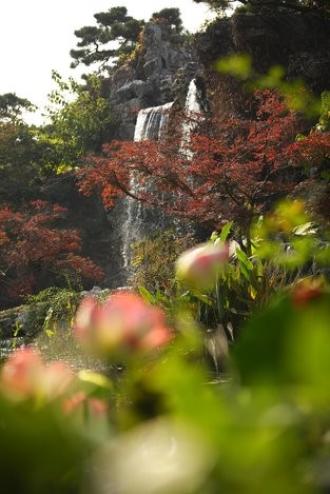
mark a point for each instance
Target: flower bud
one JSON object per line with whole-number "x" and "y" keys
{"x": 198, "y": 267}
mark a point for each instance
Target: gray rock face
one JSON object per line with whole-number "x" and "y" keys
{"x": 135, "y": 89}
{"x": 150, "y": 79}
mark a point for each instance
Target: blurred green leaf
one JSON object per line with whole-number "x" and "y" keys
{"x": 238, "y": 65}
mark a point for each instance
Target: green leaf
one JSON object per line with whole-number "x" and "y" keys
{"x": 305, "y": 229}
{"x": 225, "y": 231}
{"x": 148, "y": 296}
{"x": 94, "y": 378}
{"x": 243, "y": 258}
{"x": 202, "y": 297}
{"x": 239, "y": 66}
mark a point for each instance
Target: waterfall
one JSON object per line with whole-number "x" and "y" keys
{"x": 192, "y": 111}
{"x": 193, "y": 104}
{"x": 151, "y": 124}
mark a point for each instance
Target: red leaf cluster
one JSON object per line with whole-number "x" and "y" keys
{"x": 229, "y": 169}
{"x": 33, "y": 248}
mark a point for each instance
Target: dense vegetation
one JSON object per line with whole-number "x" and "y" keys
{"x": 263, "y": 6}
{"x": 210, "y": 372}
{"x": 37, "y": 250}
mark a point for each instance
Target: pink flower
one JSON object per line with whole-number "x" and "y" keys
{"x": 56, "y": 380}
{"x": 20, "y": 373}
{"x": 123, "y": 322}
{"x": 198, "y": 267}
{"x": 85, "y": 317}
{"x": 80, "y": 401}
{"x": 26, "y": 376}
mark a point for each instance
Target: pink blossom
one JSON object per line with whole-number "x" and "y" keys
{"x": 123, "y": 322}
{"x": 79, "y": 401}
{"x": 26, "y": 376}
{"x": 198, "y": 267}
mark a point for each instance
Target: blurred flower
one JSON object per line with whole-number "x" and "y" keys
{"x": 198, "y": 267}
{"x": 85, "y": 318}
{"x": 307, "y": 290}
{"x": 122, "y": 323}
{"x": 79, "y": 402}
{"x": 156, "y": 458}
{"x": 26, "y": 376}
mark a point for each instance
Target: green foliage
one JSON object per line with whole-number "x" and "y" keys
{"x": 51, "y": 308}
{"x": 324, "y": 121}
{"x": 24, "y": 160}
{"x": 264, "y": 429}
{"x": 291, "y": 350}
{"x": 80, "y": 120}
{"x": 154, "y": 259}
{"x": 289, "y": 239}
{"x": 281, "y": 248}
{"x": 171, "y": 16}
{"x": 239, "y": 66}
{"x": 117, "y": 32}
{"x": 12, "y": 107}
{"x": 40, "y": 451}
{"x": 295, "y": 94}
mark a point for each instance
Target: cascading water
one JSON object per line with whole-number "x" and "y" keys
{"x": 151, "y": 124}
{"x": 193, "y": 104}
{"x": 192, "y": 112}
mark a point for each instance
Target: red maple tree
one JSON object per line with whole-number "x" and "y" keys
{"x": 34, "y": 250}
{"x": 230, "y": 169}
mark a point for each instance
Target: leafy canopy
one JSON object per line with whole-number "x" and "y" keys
{"x": 115, "y": 34}
{"x": 12, "y": 107}
{"x": 80, "y": 119}
{"x": 171, "y": 16}
{"x": 24, "y": 158}
{"x": 23, "y": 161}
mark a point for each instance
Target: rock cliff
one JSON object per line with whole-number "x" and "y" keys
{"x": 300, "y": 43}
{"x": 161, "y": 69}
